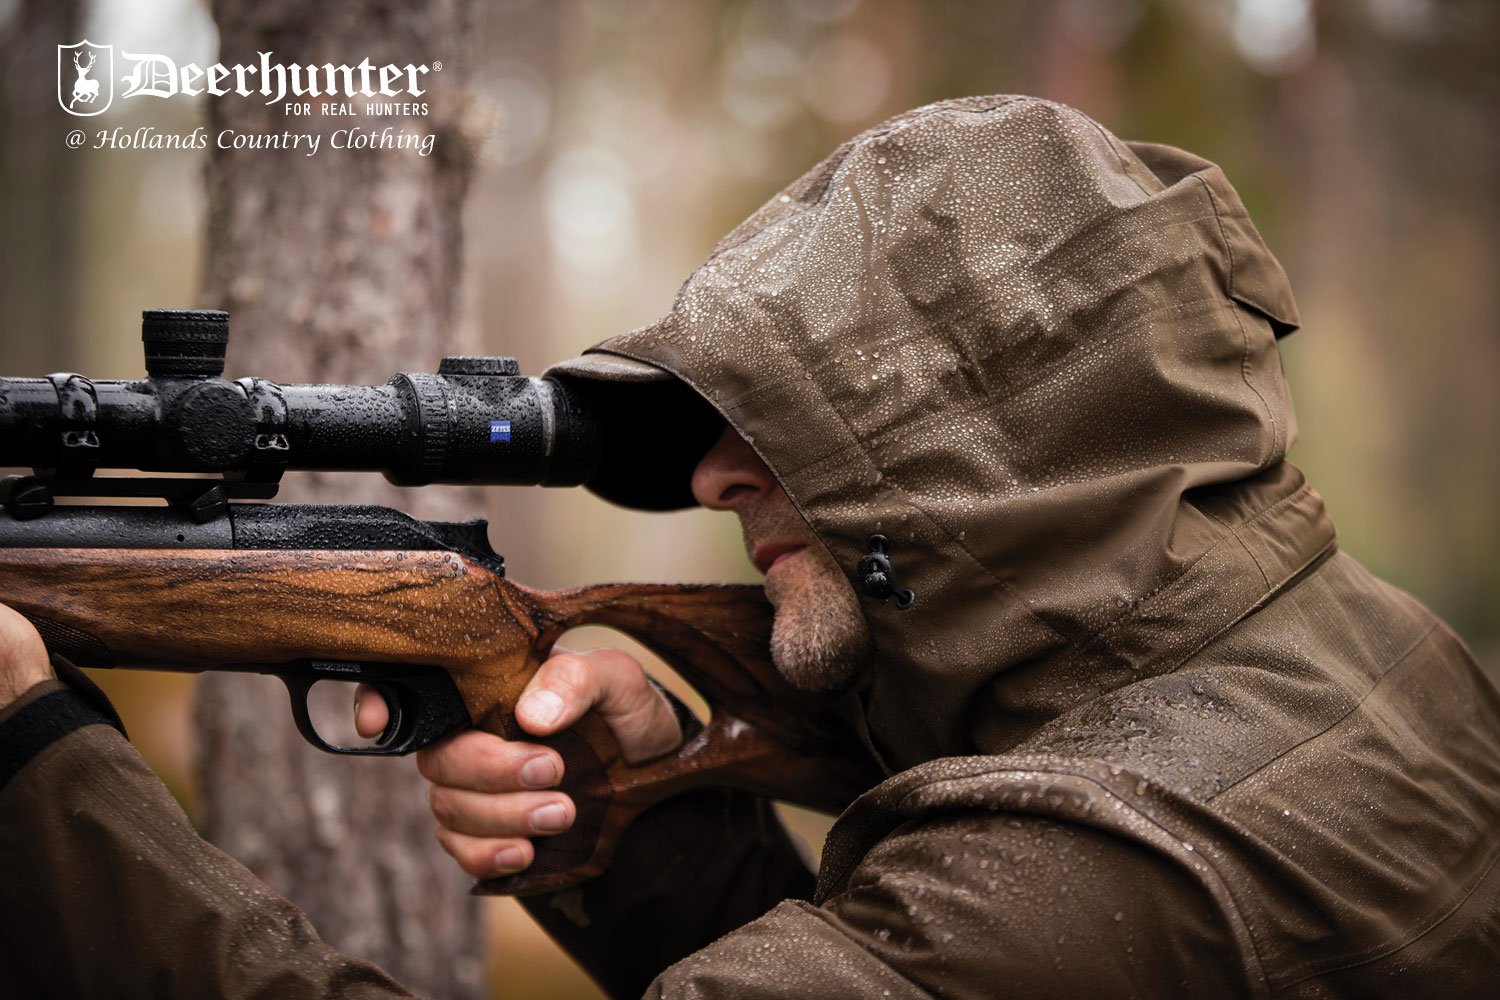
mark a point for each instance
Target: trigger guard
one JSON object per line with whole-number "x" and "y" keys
{"x": 424, "y": 703}
{"x": 298, "y": 686}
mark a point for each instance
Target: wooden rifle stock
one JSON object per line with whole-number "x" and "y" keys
{"x": 217, "y": 609}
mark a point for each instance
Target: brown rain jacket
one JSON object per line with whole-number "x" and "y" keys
{"x": 1149, "y": 734}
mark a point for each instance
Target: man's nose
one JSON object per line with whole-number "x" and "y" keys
{"x": 730, "y": 474}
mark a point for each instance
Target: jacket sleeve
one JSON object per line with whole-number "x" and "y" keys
{"x": 690, "y": 870}
{"x": 982, "y": 906}
{"x": 107, "y": 890}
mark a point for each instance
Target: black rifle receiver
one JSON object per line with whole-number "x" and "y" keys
{"x": 477, "y": 420}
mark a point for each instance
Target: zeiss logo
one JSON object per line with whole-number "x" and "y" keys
{"x": 85, "y": 78}
{"x": 499, "y": 431}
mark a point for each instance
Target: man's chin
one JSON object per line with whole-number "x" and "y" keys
{"x": 819, "y": 640}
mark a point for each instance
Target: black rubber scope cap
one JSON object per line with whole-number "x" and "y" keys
{"x": 184, "y": 343}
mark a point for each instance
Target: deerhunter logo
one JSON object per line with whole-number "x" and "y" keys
{"x": 85, "y": 80}
{"x": 78, "y": 85}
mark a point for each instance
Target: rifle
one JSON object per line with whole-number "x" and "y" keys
{"x": 421, "y": 611}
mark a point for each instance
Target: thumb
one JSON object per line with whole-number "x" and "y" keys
{"x": 609, "y": 682}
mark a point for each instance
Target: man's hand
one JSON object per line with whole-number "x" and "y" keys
{"x": 490, "y": 795}
{"x": 23, "y": 657}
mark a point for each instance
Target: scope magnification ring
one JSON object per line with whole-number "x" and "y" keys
{"x": 427, "y": 420}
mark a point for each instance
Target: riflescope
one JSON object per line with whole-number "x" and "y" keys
{"x": 477, "y": 420}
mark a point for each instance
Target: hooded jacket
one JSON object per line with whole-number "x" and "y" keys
{"x": 1148, "y": 733}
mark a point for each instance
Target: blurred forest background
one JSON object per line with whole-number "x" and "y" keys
{"x": 618, "y": 140}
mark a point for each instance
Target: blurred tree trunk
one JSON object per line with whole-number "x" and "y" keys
{"x": 340, "y": 267}
{"x": 39, "y": 176}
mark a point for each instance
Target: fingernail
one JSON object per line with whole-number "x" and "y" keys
{"x": 543, "y": 707}
{"x": 539, "y": 772}
{"x": 509, "y": 859}
{"x": 549, "y": 819}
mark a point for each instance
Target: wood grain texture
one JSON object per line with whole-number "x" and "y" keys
{"x": 206, "y": 609}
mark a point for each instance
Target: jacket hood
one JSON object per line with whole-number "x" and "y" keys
{"x": 1042, "y": 363}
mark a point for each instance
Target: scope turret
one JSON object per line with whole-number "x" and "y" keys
{"x": 184, "y": 343}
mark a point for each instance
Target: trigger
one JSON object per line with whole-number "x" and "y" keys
{"x": 393, "y": 716}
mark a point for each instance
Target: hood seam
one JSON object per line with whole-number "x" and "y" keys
{"x": 1168, "y": 586}
{"x": 1051, "y": 272}
{"x": 1278, "y": 440}
{"x": 1114, "y": 147}
{"x": 1219, "y": 218}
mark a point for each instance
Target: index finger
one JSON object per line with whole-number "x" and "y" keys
{"x": 371, "y": 713}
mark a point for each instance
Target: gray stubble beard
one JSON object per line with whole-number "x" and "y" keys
{"x": 819, "y": 639}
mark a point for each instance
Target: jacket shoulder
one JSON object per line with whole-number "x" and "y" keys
{"x": 959, "y": 905}
{"x": 1327, "y": 773}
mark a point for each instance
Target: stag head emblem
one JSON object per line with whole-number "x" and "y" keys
{"x": 84, "y": 89}
{"x": 89, "y": 94}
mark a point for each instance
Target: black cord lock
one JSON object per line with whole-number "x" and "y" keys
{"x": 876, "y": 576}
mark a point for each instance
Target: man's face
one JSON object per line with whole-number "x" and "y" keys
{"x": 819, "y": 640}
